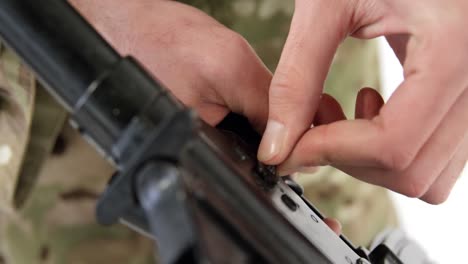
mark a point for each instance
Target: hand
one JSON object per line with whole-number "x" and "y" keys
{"x": 207, "y": 66}
{"x": 416, "y": 144}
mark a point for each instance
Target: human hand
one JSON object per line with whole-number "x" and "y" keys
{"x": 204, "y": 64}
{"x": 416, "y": 144}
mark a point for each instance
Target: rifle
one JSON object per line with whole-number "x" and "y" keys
{"x": 198, "y": 191}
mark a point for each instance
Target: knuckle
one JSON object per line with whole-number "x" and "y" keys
{"x": 397, "y": 155}
{"x": 238, "y": 41}
{"x": 362, "y": 11}
{"x": 286, "y": 89}
{"x": 236, "y": 46}
{"x": 397, "y": 152}
{"x": 230, "y": 54}
{"x": 281, "y": 92}
{"x": 316, "y": 142}
{"x": 414, "y": 185}
{"x": 325, "y": 158}
{"x": 399, "y": 158}
{"x": 436, "y": 199}
{"x": 211, "y": 68}
{"x": 440, "y": 192}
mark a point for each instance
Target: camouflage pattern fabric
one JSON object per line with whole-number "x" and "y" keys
{"x": 56, "y": 224}
{"x": 47, "y": 121}
{"x": 17, "y": 88}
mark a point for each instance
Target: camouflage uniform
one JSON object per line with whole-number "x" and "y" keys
{"x": 55, "y": 224}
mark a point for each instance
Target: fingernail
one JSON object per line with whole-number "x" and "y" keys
{"x": 272, "y": 141}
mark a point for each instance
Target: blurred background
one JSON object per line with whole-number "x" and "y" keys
{"x": 443, "y": 229}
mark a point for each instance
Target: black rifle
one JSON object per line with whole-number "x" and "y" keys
{"x": 199, "y": 191}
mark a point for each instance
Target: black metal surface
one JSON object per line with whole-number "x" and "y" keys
{"x": 126, "y": 99}
{"x": 60, "y": 46}
{"x": 294, "y": 185}
{"x": 383, "y": 255}
{"x": 164, "y": 142}
{"x": 248, "y": 209}
{"x": 164, "y": 202}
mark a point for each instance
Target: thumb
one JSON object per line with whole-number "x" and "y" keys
{"x": 317, "y": 29}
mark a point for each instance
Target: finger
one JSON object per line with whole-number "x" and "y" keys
{"x": 393, "y": 139}
{"x": 435, "y": 154}
{"x": 333, "y": 224}
{"x": 429, "y": 163}
{"x": 317, "y": 29}
{"x": 368, "y": 103}
{"x": 440, "y": 190}
{"x": 329, "y": 111}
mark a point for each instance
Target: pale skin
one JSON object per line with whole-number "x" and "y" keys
{"x": 415, "y": 144}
